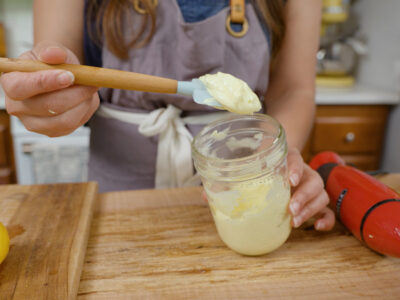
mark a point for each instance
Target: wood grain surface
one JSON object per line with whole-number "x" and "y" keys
{"x": 162, "y": 244}
{"x": 49, "y": 228}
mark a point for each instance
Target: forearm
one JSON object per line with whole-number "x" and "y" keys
{"x": 291, "y": 91}
{"x": 295, "y": 111}
{"x": 60, "y": 21}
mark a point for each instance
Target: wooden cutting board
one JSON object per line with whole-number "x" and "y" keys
{"x": 162, "y": 244}
{"x": 49, "y": 228}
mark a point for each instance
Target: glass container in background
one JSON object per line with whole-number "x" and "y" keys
{"x": 242, "y": 164}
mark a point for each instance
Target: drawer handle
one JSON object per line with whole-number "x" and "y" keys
{"x": 350, "y": 137}
{"x": 27, "y": 148}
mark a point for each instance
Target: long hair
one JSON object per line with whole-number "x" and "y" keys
{"x": 105, "y": 19}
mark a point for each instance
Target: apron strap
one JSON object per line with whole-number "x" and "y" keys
{"x": 237, "y": 11}
{"x": 237, "y": 15}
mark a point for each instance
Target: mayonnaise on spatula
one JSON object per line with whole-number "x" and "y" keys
{"x": 231, "y": 93}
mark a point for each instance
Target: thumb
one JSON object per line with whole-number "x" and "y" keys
{"x": 54, "y": 53}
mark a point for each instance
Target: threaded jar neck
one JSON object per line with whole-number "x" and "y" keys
{"x": 237, "y": 148}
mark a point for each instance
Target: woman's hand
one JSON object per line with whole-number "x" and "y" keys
{"x": 46, "y": 101}
{"x": 309, "y": 198}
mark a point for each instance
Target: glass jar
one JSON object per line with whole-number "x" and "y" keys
{"x": 242, "y": 164}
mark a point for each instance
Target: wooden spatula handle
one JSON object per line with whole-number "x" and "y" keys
{"x": 100, "y": 77}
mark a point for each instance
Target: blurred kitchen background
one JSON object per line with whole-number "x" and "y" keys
{"x": 358, "y": 96}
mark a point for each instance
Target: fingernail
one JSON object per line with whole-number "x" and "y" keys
{"x": 319, "y": 226}
{"x": 65, "y": 78}
{"x": 294, "y": 179}
{"x": 294, "y": 208}
{"x": 296, "y": 222}
{"x": 40, "y": 55}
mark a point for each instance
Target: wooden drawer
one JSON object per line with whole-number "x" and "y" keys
{"x": 3, "y": 142}
{"x": 3, "y": 48}
{"x": 7, "y": 169}
{"x": 366, "y": 162}
{"x": 349, "y": 129}
{"x": 355, "y": 132}
{"x": 5, "y": 176}
{"x": 347, "y": 135}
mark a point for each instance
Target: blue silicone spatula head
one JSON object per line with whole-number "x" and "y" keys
{"x": 197, "y": 90}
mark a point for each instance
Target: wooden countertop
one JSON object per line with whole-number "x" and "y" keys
{"x": 157, "y": 244}
{"x": 360, "y": 94}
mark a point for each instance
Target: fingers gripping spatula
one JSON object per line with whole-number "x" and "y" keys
{"x": 117, "y": 79}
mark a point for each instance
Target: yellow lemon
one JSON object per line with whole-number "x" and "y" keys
{"x": 4, "y": 242}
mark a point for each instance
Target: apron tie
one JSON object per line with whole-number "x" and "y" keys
{"x": 174, "y": 167}
{"x": 174, "y": 160}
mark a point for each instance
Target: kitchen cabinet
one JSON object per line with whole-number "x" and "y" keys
{"x": 7, "y": 169}
{"x": 356, "y": 132}
{"x": 3, "y": 48}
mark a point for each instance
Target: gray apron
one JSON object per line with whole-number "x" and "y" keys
{"x": 122, "y": 156}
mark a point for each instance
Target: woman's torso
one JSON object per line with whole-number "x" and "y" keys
{"x": 190, "y": 40}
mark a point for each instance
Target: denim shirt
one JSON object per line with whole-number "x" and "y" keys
{"x": 199, "y": 10}
{"x": 192, "y": 11}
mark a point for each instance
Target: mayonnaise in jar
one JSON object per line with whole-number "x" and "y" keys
{"x": 242, "y": 163}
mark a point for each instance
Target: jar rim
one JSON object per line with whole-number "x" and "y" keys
{"x": 281, "y": 133}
